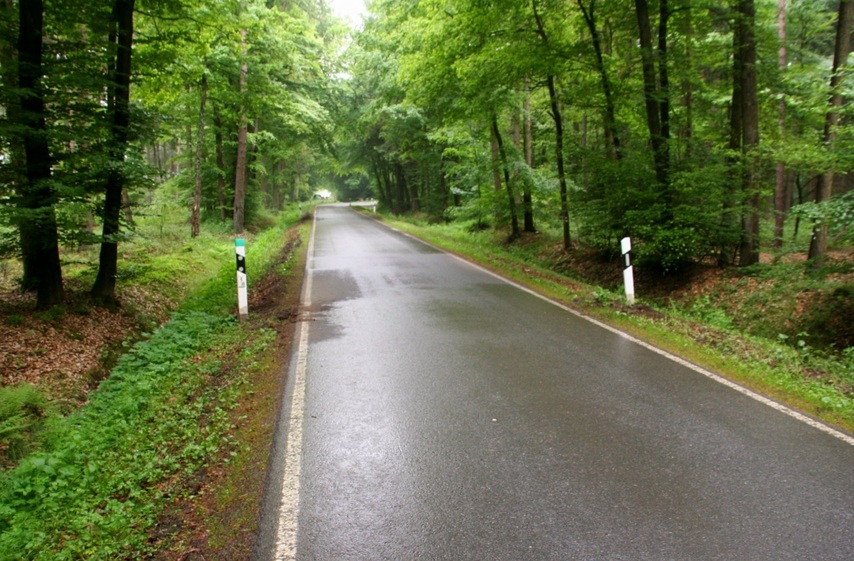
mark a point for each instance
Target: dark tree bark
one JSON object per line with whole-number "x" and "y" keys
{"x": 557, "y": 117}
{"x": 104, "y": 288}
{"x": 780, "y": 189}
{"x": 401, "y": 200}
{"x": 611, "y": 132}
{"x": 745, "y": 128}
{"x": 686, "y": 132}
{"x": 729, "y": 215}
{"x": 496, "y": 161}
{"x": 656, "y": 96}
{"x": 527, "y": 198}
{"x": 528, "y": 126}
{"x": 196, "y": 217}
{"x": 37, "y": 218}
{"x": 561, "y": 171}
{"x": 824, "y": 189}
{"x": 414, "y": 195}
{"x": 664, "y": 76}
{"x": 220, "y": 164}
{"x": 511, "y": 198}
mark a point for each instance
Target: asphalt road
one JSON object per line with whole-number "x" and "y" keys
{"x": 439, "y": 413}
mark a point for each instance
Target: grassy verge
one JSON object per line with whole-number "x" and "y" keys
{"x": 818, "y": 383}
{"x": 104, "y": 475}
{"x": 220, "y": 524}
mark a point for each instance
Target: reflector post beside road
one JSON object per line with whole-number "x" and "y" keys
{"x": 242, "y": 293}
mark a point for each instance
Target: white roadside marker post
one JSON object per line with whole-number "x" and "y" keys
{"x": 628, "y": 272}
{"x": 242, "y": 295}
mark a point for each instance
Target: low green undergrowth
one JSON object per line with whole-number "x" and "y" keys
{"x": 23, "y": 411}
{"x": 103, "y": 475}
{"x": 104, "y": 470}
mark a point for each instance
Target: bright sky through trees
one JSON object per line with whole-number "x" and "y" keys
{"x": 350, "y": 10}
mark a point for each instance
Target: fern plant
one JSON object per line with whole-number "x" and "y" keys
{"x": 23, "y": 410}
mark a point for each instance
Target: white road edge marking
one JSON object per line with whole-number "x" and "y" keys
{"x": 849, "y": 439}
{"x": 286, "y": 533}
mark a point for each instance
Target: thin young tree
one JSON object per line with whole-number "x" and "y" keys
{"x": 195, "y": 217}
{"x": 557, "y": 117}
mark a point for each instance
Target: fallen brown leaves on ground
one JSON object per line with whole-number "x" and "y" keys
{"x": 66, "y": 351}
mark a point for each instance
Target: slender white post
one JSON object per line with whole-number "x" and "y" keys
{"x": 242, "y": 295}
{"x": 628, "y": 272}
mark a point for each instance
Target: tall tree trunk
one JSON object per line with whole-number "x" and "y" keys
{"x": 611, "y": 132}
{"x": 520, "y": 122}
{"x": 655, "y": 95}
{"x": 561, "y": 170}
{"x": 528, "y": 141}
{"x": 687, "y": 130}
{"x": 220, "y": 164}
{"x": 252, "y": 154}
{"x": 824, "y": 189}
{"x": 402, "y": 192}
{"x": 414, "y": 196}
{"x": 37, "y": 218}
{"x": 104, "y": 288}
{"x": 277, "y": 185}
{"x": 664, "y": 78}
{"x": 511, "y": 199}
{"x": 558, "y": 121}
{"x": 295, "y": 187}
{"x": 780, "y": 189}
{"x": 196, "y": 217}
{"x": 242, "y": 133}
{"x": 729, "y": 214}
{"x": 380, "y": 175}
{"x": 745, "y": 82}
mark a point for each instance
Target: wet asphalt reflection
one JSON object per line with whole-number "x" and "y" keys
{"x": 451, "y": 416}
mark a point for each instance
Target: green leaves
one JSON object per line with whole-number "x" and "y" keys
{"x": 837, "y": 213}
{"x": 104, "y": 473}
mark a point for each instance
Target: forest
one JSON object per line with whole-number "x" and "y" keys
{"x": 139, "y": 138}
{"x": 231, "y": 104}
{"x": 687, "y": 125}
{"x": 701, "y": 129}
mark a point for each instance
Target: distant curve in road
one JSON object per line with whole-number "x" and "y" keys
{"x": 439, "y": 413}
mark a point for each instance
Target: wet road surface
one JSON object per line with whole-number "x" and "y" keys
{"x": 449, "y": 415}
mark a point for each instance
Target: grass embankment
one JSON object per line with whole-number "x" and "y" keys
{"x": 741, "y": 326}
{"x": 109, "y": 479}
